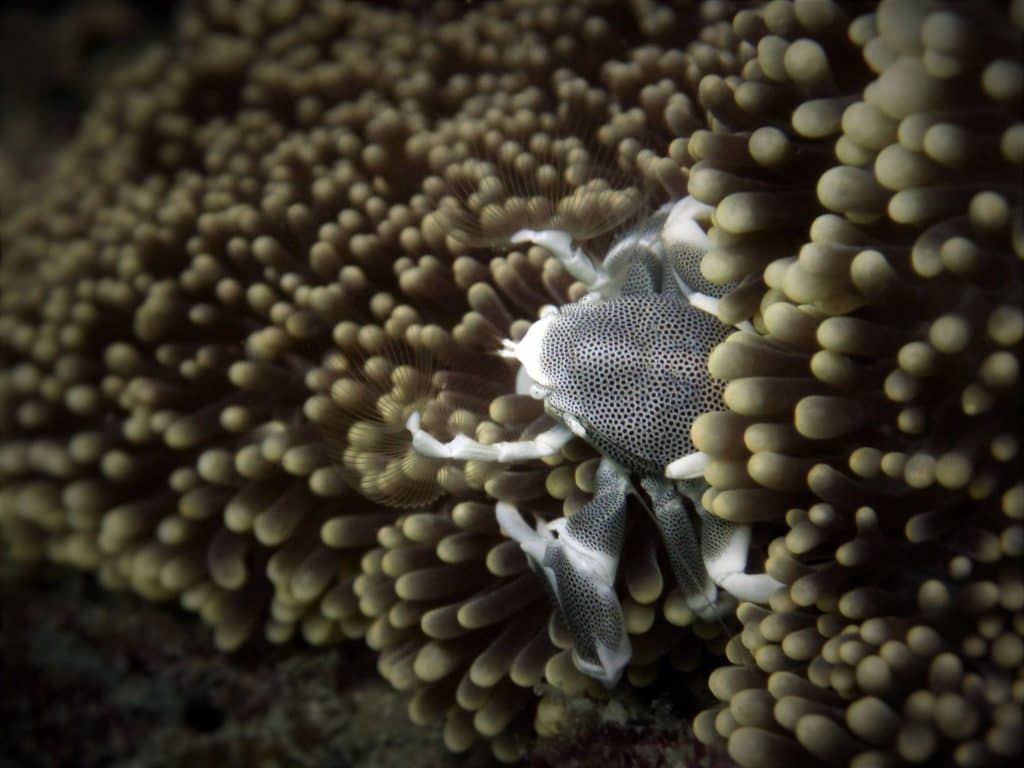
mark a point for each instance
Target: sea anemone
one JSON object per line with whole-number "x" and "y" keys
{"x": 274, "y": 239}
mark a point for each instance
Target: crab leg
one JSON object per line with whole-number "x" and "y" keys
{"x": 559, "y": 243}
{"x": 725, "y": 546}
{"x": 579, "y": 557}
{"x": 681, "y": 542}
{"x": 681, "y": 225}
{"x": 461, "y": 447}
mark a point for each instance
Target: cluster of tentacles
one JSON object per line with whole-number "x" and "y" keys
{"x": 275, "y": 239}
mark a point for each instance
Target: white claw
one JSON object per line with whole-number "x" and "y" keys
{"x": 534, "y": 543}
{"x": 681, "y": 225}
{"x": 726, "y": 568}
{"x": 523, "y": 382}
{"x": 688, "y": 467}
{"x": 512, "y": 523}
{"x": 704, "y": 303}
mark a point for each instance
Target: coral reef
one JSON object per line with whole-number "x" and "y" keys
{"x": 275, "y": 238}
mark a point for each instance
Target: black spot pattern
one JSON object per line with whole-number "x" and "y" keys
{"x": 642, "y": 270}
{"x": 716, "y": 535}
{"x": 633, "y": 370}
{"x": 600, "y": 524}
{"x": 685, "y": 261}
{"x": 594, "y": 618}
{"x": 682, "y": 542}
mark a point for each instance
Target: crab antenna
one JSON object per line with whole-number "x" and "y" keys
{"x": 508, "y": 349}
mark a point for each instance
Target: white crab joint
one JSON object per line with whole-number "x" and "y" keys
{"x": 624, "y": 368}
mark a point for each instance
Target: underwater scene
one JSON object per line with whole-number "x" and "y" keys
{"x": 615, "y": 383}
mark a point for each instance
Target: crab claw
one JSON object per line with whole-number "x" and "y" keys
{"x": 681, "y": 227}
{"x": 580, "y": 582}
